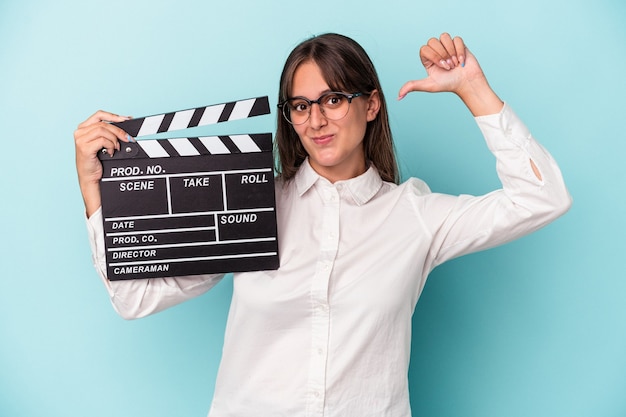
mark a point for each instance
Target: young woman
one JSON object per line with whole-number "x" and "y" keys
{"x": 329, "y": 332}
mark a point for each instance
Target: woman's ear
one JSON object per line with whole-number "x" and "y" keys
{"x": 373, "y": 105}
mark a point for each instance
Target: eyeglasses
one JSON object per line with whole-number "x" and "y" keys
{"x": 333, "y": 105}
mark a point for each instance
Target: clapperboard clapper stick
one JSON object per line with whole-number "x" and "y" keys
{"x": 190, "y": 205}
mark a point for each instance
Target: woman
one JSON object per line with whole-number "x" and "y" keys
{"x": 329, "y": 332}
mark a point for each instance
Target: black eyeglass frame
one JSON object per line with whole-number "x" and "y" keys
{"x": 348, "y": 96}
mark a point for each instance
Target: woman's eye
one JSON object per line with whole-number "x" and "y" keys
{"x": 300, "y": 107}
{"x": 333, "y": 101}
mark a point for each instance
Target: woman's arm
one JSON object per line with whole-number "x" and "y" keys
{"x": 453, "y": 68}
{"x": 533, "y": 191}
{"x": 131, "y": 298}
{"x": 138, "y": 298}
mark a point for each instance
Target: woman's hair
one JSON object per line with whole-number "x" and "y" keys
{"x": 345, "y": 67}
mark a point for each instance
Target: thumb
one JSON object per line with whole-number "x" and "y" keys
{"x": 424, "y": 84}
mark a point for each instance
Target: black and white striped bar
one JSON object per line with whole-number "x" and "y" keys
{"x": 213, "y": 145}
{"x": 200, "y": 116}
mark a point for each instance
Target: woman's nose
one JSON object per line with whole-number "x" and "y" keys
{"x": 317, "y": 118}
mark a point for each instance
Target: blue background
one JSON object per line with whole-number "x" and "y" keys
{"x": 533, "y": 328}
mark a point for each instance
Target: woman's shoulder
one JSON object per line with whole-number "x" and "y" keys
{"x": 414, "y": 186}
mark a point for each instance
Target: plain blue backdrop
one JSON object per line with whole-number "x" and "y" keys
{"x": 534, "y": 328}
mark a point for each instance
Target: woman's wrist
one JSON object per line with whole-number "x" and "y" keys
{"x": 479, "y": 98}
{"x": 91, "y": 196}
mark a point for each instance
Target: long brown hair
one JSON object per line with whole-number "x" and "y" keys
{"x": 346, "y": 67}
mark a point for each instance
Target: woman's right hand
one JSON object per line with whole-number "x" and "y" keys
{"x": 91, "y": 137}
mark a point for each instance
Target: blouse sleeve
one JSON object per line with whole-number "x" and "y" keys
{"x": 140, "y": 297}
{"x": 463, "y": 224}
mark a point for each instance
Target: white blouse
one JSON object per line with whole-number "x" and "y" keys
{"x": 329, "y": 332}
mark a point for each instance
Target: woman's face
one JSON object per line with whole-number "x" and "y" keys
{"x": 335, "y": 147}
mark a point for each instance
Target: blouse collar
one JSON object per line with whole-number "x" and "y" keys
{"x": 361, "y": 188}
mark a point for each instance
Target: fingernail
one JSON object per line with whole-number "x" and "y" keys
{"x": 444, "y": 64}
{"x": 401, "y": 97}
{"x": 462, "y": 60}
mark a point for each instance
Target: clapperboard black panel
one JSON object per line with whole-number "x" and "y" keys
{"x": 187, "y": 206}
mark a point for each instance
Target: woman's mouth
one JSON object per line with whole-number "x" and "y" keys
{"x": 322, "y": 140}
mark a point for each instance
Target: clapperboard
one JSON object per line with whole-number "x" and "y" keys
{"x": 190, "y": 205}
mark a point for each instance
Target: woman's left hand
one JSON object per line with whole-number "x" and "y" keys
{"x": 451, "y": 67}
